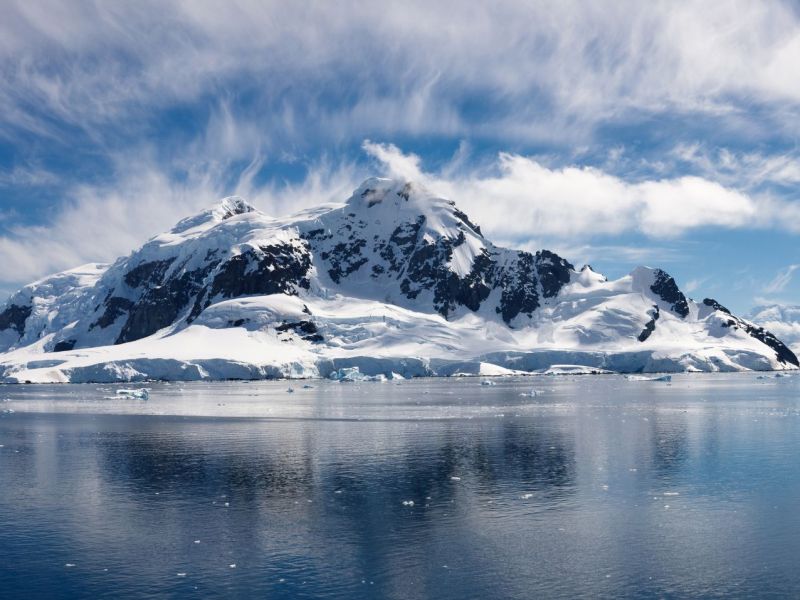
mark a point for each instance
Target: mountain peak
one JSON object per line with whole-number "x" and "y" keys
{"x": 392, "y": 197}
{"x": 232, "y": 206}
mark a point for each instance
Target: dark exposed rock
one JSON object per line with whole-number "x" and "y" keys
{"x": 715, "y": 305}
{"x": 465, "y": 219}
{"x": 306, "y": 329}
{"x": 650, "y": 326}
{"x": 345, "y": 258}
{"x": 115, "y": 308}
{"x": 665, "y": 288}
{"x": 401, "y": 244}
{"x": 64, "y": 346}
{"x": 427, "y": 269}
{"x": 14, "y": 317}
{"x": 554, "y": 272}
{"x": 782, "y": 351}
{"x": 278, "y": 268}
{"x": 519, "y": 285}
{"x": 147, "y": 272}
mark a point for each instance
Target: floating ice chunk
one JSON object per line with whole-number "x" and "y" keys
{"x": 138, "y": 394}
{"x": 352, "y": 374}
{"x": 290, "y": 390}
{"x": 180, "y": 574}
{"x": 197, "y": 541}
{"x": 672, "y": 493}
{"x": 526, "y": 496}
{"x": 408, "y": 503}
{"x": 487, "y": 382}
{"x": 454, "y": 478}
{"x": 69, "y": 565}
{"x": 308, "y": 387}
{"x": 641, "y": 378}
{"x": 8, "y": 411}
{"x": 232, "y": 566}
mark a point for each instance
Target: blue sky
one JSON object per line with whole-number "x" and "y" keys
{"x": 616, "y": 133}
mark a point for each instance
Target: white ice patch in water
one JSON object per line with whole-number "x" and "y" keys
{"x": 138, "y": 394}
{"x": 642, "y": 378}
{"x": 353, "y": 374}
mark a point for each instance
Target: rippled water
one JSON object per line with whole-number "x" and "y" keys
{"x": 595, "y": 487}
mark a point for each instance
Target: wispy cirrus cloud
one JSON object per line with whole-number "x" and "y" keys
{"x": 539, "y": 71}
{"x": 781, "y": 280}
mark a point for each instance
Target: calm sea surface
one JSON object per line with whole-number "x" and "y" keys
{"x": 594, "y": 487}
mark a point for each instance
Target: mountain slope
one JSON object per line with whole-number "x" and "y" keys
{"x": 393, "y": 280}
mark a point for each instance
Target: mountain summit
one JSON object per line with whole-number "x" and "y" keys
{"x": 395, "y": 280}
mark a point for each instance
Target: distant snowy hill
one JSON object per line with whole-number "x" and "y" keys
{"x": 395, "y": 281}
{"x": 782, "y": 320}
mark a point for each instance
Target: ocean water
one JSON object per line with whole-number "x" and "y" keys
{"x": 592, "y": 487}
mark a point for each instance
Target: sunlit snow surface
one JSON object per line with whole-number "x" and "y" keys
{"x": 570, "y": 486}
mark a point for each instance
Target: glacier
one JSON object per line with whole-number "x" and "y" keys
{"x": 395, "y": 282}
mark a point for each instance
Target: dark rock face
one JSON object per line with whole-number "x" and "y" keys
{"x": 170, "y": 294}
{"x": 465, "y": 219}
{"x": 307, "y": 330}
{"x": 715, "y": 305}
{"x": 161, "y": 305}
{"x": 400, "y": 245}
{"x": 427, "y": 270}
{"x": 14, "y": 317}
{"x": 782, "y": 351}
{"x": 64, "y": 346}
{"x": 784, "y": 354}
{"x": 345, "y": 258}
{"x": 650, "y": 326}
{"x": 422, "y": 264}
{"x": 666, "y": 289}
{"x": 518, "y": 283}
{"x": 147, "y": 272}
{"x": 278, "y": 268}
{"x": 115, "y": 308}
{"x": 554, "y": 272}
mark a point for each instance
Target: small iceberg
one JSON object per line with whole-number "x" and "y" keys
{"x": 641, "y": 378}
{"x": 353, "y": 374}
{"x": 140, "y": 394}
{"x": 487, "y": 382}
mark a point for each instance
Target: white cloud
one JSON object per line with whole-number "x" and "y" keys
{"x": 584, "y": 202}
{"x": 540, "y": 70}
{"x": 781, "y": 280}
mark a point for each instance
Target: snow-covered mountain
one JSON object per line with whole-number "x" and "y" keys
{"x": 782, "y": 320}
{"x": 395, "y": 281}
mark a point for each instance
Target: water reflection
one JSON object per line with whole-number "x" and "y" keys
{"x": 594, "y": 488}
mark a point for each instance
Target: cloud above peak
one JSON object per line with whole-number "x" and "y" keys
{"x": 583, "y": 202}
